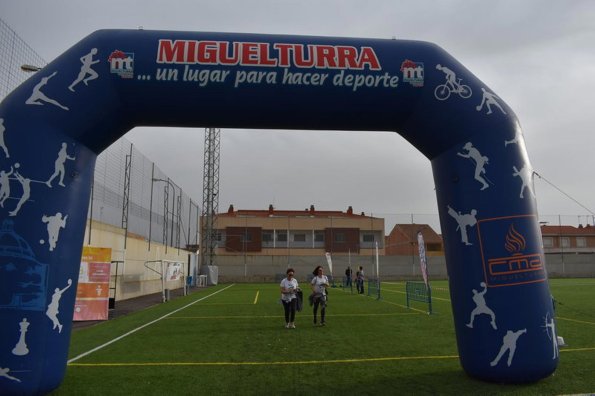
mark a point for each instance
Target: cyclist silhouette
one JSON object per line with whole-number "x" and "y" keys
{"x": 452, "y": 85}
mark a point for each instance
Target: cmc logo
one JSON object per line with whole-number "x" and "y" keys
{"x": 121, "y": 63}
{"x": 510, "y": 252}
{"x": 413, "y": 72}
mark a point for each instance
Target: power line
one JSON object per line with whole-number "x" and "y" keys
{"x": 557, "y": 188}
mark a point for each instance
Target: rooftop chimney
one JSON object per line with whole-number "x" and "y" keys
{"x": 271, "y": 209}
{"x": 230, "y": 210}
{"x": 349, "y": 210}
{"x": 311, "y": 208}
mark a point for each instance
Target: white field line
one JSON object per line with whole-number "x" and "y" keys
{"x": 82, "y": 355}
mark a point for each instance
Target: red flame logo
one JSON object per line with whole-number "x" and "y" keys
{"x": 515, "y": 242}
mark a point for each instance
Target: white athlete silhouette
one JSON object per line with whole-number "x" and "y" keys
{"x": 481, "y": 307}
{"x": 4, "y": 373}
{"x": 489, "y": 99}
{"x": 550, "y": 328}
{"x": 479, "y": 160}
{"x": 5, "y": 186}
{"x": 38, "y": 97}
{"x": 451, "y": 85}
{"x": 20, "y": 348}
{"x": 54, "y": 223}
{"x": 526, "y": 176}
{"x": 516, "y": 140}
{"x": 52, "y": 311}
{"x": 451, "y": 77}
{"x": 87, "y": 61}
{"x": 59, "y": 166}
{"x": 26, "y": 184}
{"x": 463, "y": 221}
{"x": 509, "y": 342}
{"x": 2, "y": 144}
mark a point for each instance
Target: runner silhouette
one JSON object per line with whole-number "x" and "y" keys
{"x": 87, "y": 61}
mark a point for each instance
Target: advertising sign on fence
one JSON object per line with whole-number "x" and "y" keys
{"x": 174, "y": 271}
{"x": 92, "y": 293}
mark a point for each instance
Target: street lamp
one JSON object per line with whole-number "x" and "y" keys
{"x": 30, "y": 68}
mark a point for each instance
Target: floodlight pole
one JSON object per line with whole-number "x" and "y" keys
{"x": 210, "y": 195}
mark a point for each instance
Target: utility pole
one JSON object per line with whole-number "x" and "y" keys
{"x": 210, "y": 196}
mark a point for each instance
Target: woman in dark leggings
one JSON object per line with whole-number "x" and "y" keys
{"x": 289, "y": 288}
{"x": 319, "y": 284}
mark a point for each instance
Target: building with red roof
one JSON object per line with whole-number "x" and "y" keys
{"x": 308, "y": 232}
{"x": 402, "y": 240}
{"x": 568, "y": 239}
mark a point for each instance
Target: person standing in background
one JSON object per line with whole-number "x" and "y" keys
{"x": 359, "y": 280}
{"x": 348, "y": 277}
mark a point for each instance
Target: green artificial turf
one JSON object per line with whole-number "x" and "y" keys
{"x": 230, "y": 339}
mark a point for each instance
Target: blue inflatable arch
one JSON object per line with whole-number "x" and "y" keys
{"x": 55, "y": 124}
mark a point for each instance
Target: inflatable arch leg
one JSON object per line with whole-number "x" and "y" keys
{"x": 53, "y": 126}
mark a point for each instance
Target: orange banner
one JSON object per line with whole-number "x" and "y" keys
{"x": 92, "y": 294}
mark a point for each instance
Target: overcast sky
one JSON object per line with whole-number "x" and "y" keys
{"x": 538, "y": 56}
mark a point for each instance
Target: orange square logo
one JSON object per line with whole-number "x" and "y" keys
{"x": 510, "y": 251}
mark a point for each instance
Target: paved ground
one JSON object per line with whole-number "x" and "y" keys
{"x": 130, "y": 305}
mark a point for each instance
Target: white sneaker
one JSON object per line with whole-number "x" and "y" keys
{"x": 287, "y": 326}
{"x": 292, "y": 325}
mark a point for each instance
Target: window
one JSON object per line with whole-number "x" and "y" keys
{"x": 282, "y": 236}
{"x": 433, "y": 247}
{"x": 246, "y": 237}
{"x": 267, "y": 236}
{"x": 565, "y": 242}
{"x": 340, "y": 237}
{"x": 299, "y": 238}
{"x": 318, "y": 236}
{"x": 581, "y": 242}
{"x": 548, "y": 242}
{"x": 368, "y": 237}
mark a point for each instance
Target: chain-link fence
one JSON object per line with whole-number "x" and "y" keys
{"x": 131, "y": 192}
{"x": 15, "y": 53}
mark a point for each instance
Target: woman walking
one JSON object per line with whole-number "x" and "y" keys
{"x": 289, "y": 289}
{"x": 319, "y": 284}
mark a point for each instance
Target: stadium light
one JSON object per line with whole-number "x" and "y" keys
{"x": 30, "y": 68}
